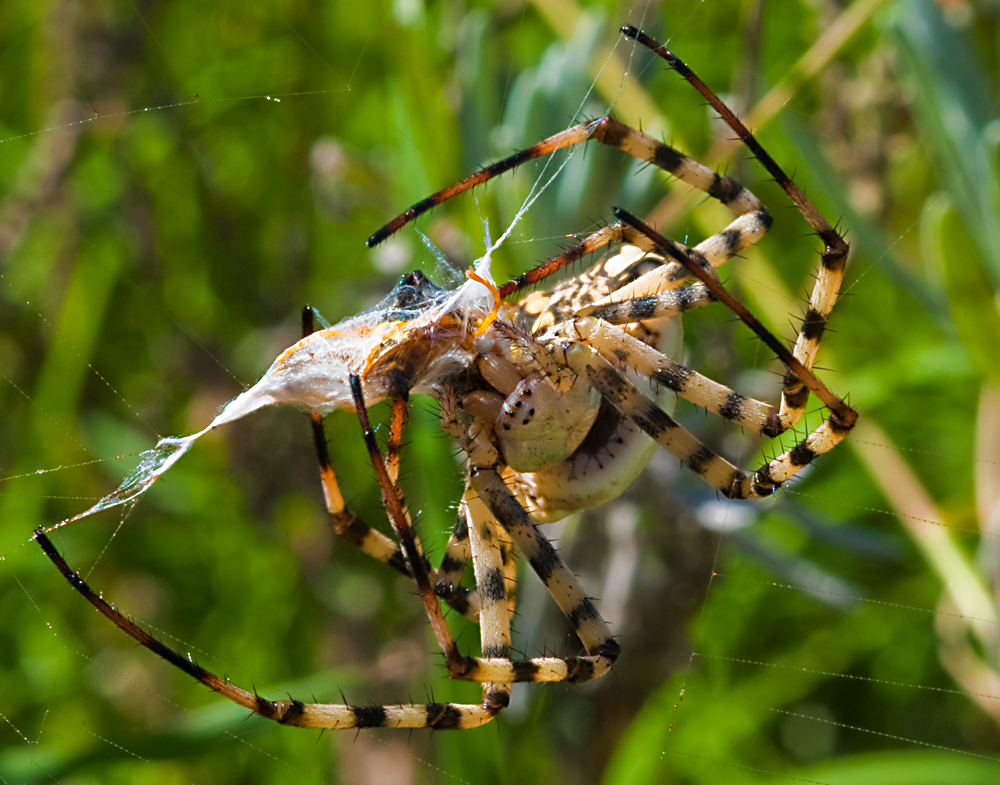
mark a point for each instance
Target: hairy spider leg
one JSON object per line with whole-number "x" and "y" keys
{"x": 700, "y": 270}
{"x": 718, "y": 472}
{"x": 663, "y": 288}
{"x": 833, "y": 260}
{"x": 651, "y": 306}
{"x": 495, "y": 504}
{"x": 716, "y": 250}
{"x": 622, "y": 349}
{"x": 606, "y": 130}
{"x": 495, "y": 670}
{"x": 351, "y": 528}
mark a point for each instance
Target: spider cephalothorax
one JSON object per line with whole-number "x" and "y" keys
{"x": 554, "y": 401}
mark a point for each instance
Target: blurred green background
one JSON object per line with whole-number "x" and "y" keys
{"x": 178, "y": 179}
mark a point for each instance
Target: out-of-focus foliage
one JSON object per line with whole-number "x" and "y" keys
{"x": 178, "y": 179}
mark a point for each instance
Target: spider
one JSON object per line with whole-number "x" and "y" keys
{"x": 531, "y": 392}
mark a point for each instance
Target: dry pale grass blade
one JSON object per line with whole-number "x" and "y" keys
{"x": 963, "y": 662}
{"x": 967, "y": 606}
{"x": 988, "y": 463}
{"x": 928, "y": 526}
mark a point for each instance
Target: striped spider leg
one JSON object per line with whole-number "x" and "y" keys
{"x": 615, "y": 346}
{"x": 352, "y": 529}
{"x": 494, "y": 510}
{"x": 489, "y": 504}
{"x": 832, "y": 262}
